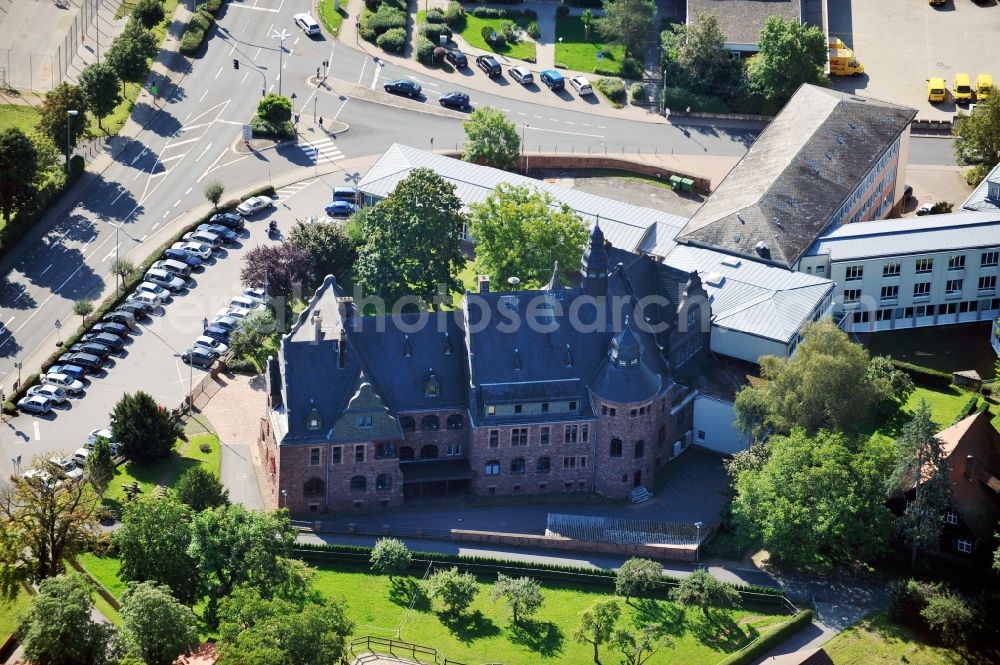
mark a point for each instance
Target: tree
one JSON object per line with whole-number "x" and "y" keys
{"x": 42, "y": 523}
{"x": 587, "y": 19}
{"x": 145, "y": 430}
{"x": 99, "y": 83}
{"x": 83, "y": 307}
{"x": 331, "y": 250}
{"x": 597, "y": 623}
{"x": 791, "y": 54}
{"x": 275, "y": 109}
{"x": 456, "y": 590}
{"x": 950, "y": 616}
{"x": 413, "y": 240}
{"x": 815, "y": 499}
{"x": 18, "y": 171}
{"x": 153, "y": 543}
{"x": 213, "y": 191}
{"x": 700, "y": 589}
{"x": 491, "y": 139}
{"x": 130, "y": 52}
{"x": 637, "y": 648}
{"x": 232, "y": 546}
{"x": 156, "y": 626}
{"x": 637, "y": 575}
{"x": 885, "y": 379}
{"x": 977, "y": 136}
{"x": 49, "y": 158}
{"x": 148, "y": 12}
{"x": 54, "y": 115}
{"x": 523, "y": 595}
{"x": 695, "y": 58}
{"x": 258, "y": 631}
{"x": 628, "y": 22}
{"x": 277, "y": 267}
{"x": 523, "y": 232}
{"x": 199, "y": 488}
{"x": 100, "y": 469}
{"x": 390, "y": 557}
{"x": 123, "y": 269}
{"x": 250, "y": 333}
{"x": 58, "y": 628}
{"x": 922, "y": 465}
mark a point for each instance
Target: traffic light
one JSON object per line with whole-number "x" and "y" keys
{"x": 326, "y": 64}
{"x": 236, "y": 63}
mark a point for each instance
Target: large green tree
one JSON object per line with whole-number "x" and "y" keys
{"x": 628, "y": 22}
{"x": 100, "y": 468}
{"x": 390, "y": 556}
{"x": 148, "y": 12}
{"x": 791, "y": 53}
{"x": 522, "y": 232}
{"x": 331, "y": 250}
{"x": 637, "y": 575}
{"x": 695, "y": 59}
{"x": 260, "y": 631}
{"x": 145, "y": 430}
{"x": 597, "y": 624}
{"x": 18, "y": 171}
{"x": 58, "y": 628}
{"x": 700, "y": 589}
{"x": 153, "y": 543}
{"x": 922, "y": 466}
{"x": 456, "y": 590}
{"x": 816, "y": 499}
{"x": 130, "y": 52}
{"x": 491, "y": 139}
{"x": 232, "y": 546}
{"x": 637, "y": 647}
{"x": 523, "y": 595}
{"x": 54, "y": 116}
{"x": 977, "y": 138}
{"x": 50, "y": 171}
{"x": 200, "y": 489}
{"x": 413, "y": 240}
{"x": 99, "y": 83}
{"x": 275, "y": 109}
{"x": 156, "y": 626}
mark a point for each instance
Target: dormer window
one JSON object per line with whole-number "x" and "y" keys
{"x": 433, "y": 387}
{"x": 313, "y": 421}
{"x": 491, "y": 410}
{"x": 365, "y": 421}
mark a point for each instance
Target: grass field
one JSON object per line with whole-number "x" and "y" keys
{"x": 330, "y": 17}
{"x": 877, "y": 640}
{"x": 11, "y": 612}
{"x": 21, "y": 116}
{"x": 945, "y": 405}
{"x": 472, "y": 33}
{"x": 578, "y": 52}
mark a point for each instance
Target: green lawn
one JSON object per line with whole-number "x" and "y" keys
{"x": 11, "y": 612}
{"x": 877, "y": 640}
{"x": 579, "y": 53}
{"x": 472, "y": 33}
{"x": 22, "y": 116}
{"x": 330, "y": 17}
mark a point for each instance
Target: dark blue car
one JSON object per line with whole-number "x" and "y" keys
{"x": 340, "y": 209}
{"x": 217, "y": 332}
{"x": 74, "y": 371}
{"x": 182, "y": 256}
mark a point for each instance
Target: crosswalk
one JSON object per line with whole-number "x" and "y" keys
{"x": 321, "y": 150}
{"x": 288, "y": 191}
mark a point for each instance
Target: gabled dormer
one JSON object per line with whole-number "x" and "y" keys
{"x": 366, "y": 417}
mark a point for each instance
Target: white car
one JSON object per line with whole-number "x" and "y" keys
{"x": 307, "y": 23}
{"x": 238, "y": 313}
{"x": 66, "y": 468}
{"x": 144, "y": 298}
{"x": 81, "y": 455}
{"x": 64, "y": 381}
{"x": 211, "y": 344}
{"x": 257, "y": 295}
{"x": 522, "y": 75}
{"x": 152, "y": 289}
{"x": 581, "y": 84}
{"x": 253, "y": 204}
{"x": 246, "y": 302}
{"x": 54, "y": 393}
{"x": 100, "y": 432}
{"x": 200, "y": 250}
{"x": 35, "y": 404}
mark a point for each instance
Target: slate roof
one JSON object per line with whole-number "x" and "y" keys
{"x": 785, "y": 190}
{"x": 980, "y": 199}
{"x": 912, "y": 235}
{"x": 975, "y": 484}
{"x": 741, "y": 21}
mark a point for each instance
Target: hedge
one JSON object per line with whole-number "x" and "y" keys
{"x": 931, "y": 378}
{"x": 435, "y": 16}
{"x": 631, "y": 69}
{"x": 28, "y": 216}
{"x": 425, "y": 50}
{"x": 968, "y": 409}
{"x": 762, "y": 645}
{"x": 679, "y": 99}
{"x": 504, "y": 13}
{"x": 392, "y": 40}
{"x": 613, "y": 89}
{"x": 195, "y": 32}
{"x": 433, "y": 31}
{"x": 385, "y": 19}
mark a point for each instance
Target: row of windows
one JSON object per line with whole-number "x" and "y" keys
{"x": 543, "y": 465}
{"x": 633, "y": 413}
{"x": 920, "y": 311}
{"x": 384, "y": 450}
{"x": 491, "y": 409}
{"x": 519, "y": 435}
{"x": 922, "y": 290}
{"x": 838, "y": 217}
{"x": 431, "y": 423}
{"x": 315, "y": 487}
{"x": 988, "y": 259}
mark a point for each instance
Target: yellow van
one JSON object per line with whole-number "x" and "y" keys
{"x": 984, "y": 87}
{"x": 843, "y": 63}
{"x": 936, "y": 91}
{"x": 962, "y": 89}
{"x": 934, "y": 3}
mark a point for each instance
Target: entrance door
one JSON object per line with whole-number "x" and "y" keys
{"x": 637, "y": 479}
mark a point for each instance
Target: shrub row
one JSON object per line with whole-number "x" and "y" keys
{"x": 425, "y": 50}
{"x": 931, "y": 378}
{"x": 212, "y": 6}
{"x": 433, "y": 31}
{"x": 195, "y": 32}
{"x": 679, "y": 99}
{"x": 614, "y": 90}
{"x": 762, "y": 645}
{"x": 968, "y": 409}
{"x": 503, "y": 12}
{"x": 434, "y": 16}
{"x": 373, "y": 5}
{"x": 392, "y": 40}
{"x": 266, "y": 129}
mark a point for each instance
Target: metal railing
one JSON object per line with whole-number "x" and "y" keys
{"x": 398, "y": 649}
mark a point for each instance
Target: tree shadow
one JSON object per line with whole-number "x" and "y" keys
{"x": 666, "y": 618}
{"x": 469, "y": 627}
{"x": 404, "y": 590}
{"x": 14, "y": 295}
{"x": 542, "y": 637}
{"x": 718, "y": 631}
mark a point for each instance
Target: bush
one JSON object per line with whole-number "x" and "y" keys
{"x": 631, "y": 69}
{"x": 926, "y": 376}
{"x": 374, "y": 5}
{"x": 500, "y": 42}
{"x": 192, "y": 39}
{"x": 241, "y": 366}
{"x": 976, "y": 174}
{"x": 385, "y": 19}
{"x": 392, "y": 40}
{"x": 202, "y": 19}
{"x": 433, "y": 31}
{"x": 425, "y": 50}
{"x": 212, "y": 6}
{"x": 435, "y": 16}
{"x": 205, "y": 448}
{"x": 454, "y": 15}
{"x": 613, "y": 89}
{"x": 764, "y": 644}
{"x": 678, "y": 99}
{"x": 487, "y": 32}
{"x": 637, "y": 91}
{"x": 265, "y": 129}
{"x": 439, "y": 53}
{"x": 908, "y": 598}
{"x": 533, "y": 31}
{"x": 503, "y": 13}
{"x": 562, "y": 11}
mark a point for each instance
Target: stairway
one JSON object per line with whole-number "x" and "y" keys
{"x": 639, "y": 495}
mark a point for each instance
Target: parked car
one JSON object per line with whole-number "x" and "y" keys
{"x": 66, "y": 468}
{"x": 522, "y": 75}
{"x": 199, "y": 357}
{"x": 65, "y": 381}
{"x": 457, "y": 58}
{"x": 80, "y": 457}
{"x": 236, "y": 313}
{"x": 37, "y": 404}
{"x": 489, "y": 64}
{"x": 245, "y": 302}
{"x": 216, "y": 332}
{"x": 166, "y": 279}
{"x": 454, "y": 100}
{"x": 553, "y": 79}
{"x": 582, "y": 85}
{"x": 147, "y": 300}
{"x": 136, "y": 309}
{"x": 228, "y": 219}
{"x": 403, "y": 87}
{"x": 307, "y": 23}
{"x": 38, "y": 475}
{"x": 103, "y": 433}
{"x": 227, "y": 234}
{"x": 175, "y": 254}
{"x": 199, "y": 250}
{"x": 179, "y": 268}
{"x": 74, "y": 372}
{"x": 110, "y": 340}
{"x": 56, "y": 394}
{"x": 340, "y": 209}
{"x": 92, "y": 348}
{"x": 154, "y": 290}
{"x": 119, "y": 329}
{"x": 226, "y": 322}
{"x": 254, "y": 204}
{"x": 88, "y": 361}
{"x": 211, "y": 344}
{"x": 121, "y": 318}
{"x": 349, "y": 194}
{"x": 211, "y": 239}
{"x": 255, "y": 294}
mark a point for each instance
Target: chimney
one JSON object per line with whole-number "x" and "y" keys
{"x": 484, "y": 283}
{"x": 342, "y": 349}
{"x": 317, "y": 321}
{"x": 346, "y": 306}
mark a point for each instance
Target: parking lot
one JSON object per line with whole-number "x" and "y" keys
{"x": 904, "y": 42}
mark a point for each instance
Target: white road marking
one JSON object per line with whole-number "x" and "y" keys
{"x": 292, "y": 192}
{"x": 378, "y": 70}
{"x": 244, "y": 78}
{"x": 197, "y": 159}
{"x": 38, "y": 435}
{"x": 170, "y": 159}
{"x": 323, "y": 150}
{"x": 524, "y": 114}
{"x": 337, "y": 114}
{"x": 46, "y": 270}
{"x": 177, "y": 203}
{"x": 165, "y": 214}
{"x": 188, "y": 191}
{"x": 138, "y": 157}
{"x": 559, "y": 131}
{"x": 120, "y": 194}
{"x": 155, "y": 225}
{"x": 537, "y": 117}
{"x": 221, "y": 155}
{"x": 142, "y": 239}
{"x": 569, "y": 123}
{"x": 270, "y": 88}
{"x": 179, "y": 143}
{"x": 108, "y": 255}
{"x": 256, "y": 9}
{"x": 218, "y": 73}
{"x": 9, "y": 321}
{"x": 257, "y": 54}
{"x": 414, "y": 78}
{"x": 601, "y": 127}
{"x": 553, "y": 119}
{"x": 203, "y": 95}
{"x": 296, "y": 41}
{"x": 364, "y": 64}
{"x": 585, "y": 124}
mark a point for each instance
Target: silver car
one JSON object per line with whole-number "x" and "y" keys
{"x": 64, "y": 381}
{"x": 522, "y": 75}
{"x": 165, "y": 279}
{"x": 55, "y": 393}
{"x": 206, "y": 237}
{"x": 66, "y": 468}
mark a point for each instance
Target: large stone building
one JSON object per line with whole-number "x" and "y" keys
{"x": 550, "y": 390}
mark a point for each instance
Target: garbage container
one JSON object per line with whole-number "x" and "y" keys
{"x": 675, "y": 181}
{"x": 687, "y": 185}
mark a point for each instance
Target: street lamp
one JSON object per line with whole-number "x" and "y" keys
{"x": 281, "y": 37}
{"x": 697, "y": 539}
{"x": 71, "y": 113}
{"x": 524, "y": 147}
{"x": 284, "y": 498}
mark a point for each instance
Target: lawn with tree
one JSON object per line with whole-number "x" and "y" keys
{"x": 145, "y": 429}
{"x": 578, "y": 49}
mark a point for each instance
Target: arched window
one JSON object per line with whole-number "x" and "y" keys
{"x": 456, "y": 421}
{"x": 405, "y": 454}
{"x": 616, "y": 448}
{"x": 385, "y": 450}
{"x": 313, "y": 487}
{"x": 383, "y": 483}
{"x": 543, "y": 465}
{"x": 517, "y": 466}
{"x": 408, "y": 424}
{"x": 430, "y": 451}
{"x": 661, "y": 436}
{"x": 640, "y": 448}
{"x": 359, "y": 484}
{"x": 430, "y": 423}
{"x": 493, "y": 468}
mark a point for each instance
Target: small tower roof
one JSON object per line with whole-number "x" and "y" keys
{"x": 595, "y": 257}
{"x": 554, "y": 281}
